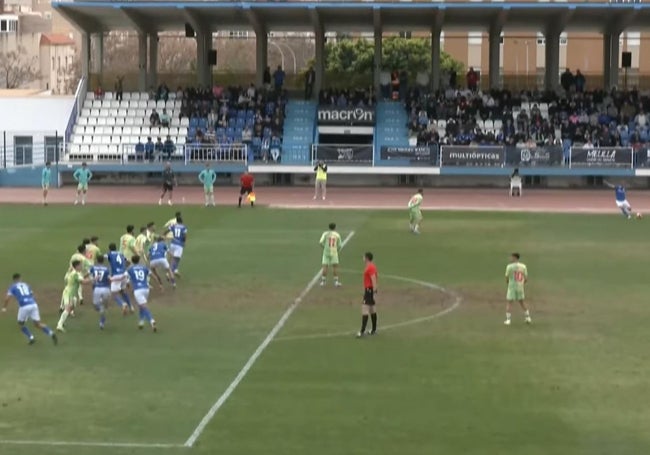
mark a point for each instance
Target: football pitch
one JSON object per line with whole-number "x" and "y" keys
{"x": 251, "y": 357}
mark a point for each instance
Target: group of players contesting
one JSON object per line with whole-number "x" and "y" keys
{"x": 138, "y": 258}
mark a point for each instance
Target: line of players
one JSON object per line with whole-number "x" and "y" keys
{"x": 111, "y": 275}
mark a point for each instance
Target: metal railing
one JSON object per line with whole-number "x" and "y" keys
{"x": 187, "y": 154}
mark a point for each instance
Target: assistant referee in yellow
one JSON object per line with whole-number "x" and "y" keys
{"x": 321, "y": 180}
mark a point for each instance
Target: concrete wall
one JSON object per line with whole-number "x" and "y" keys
{"x": 25, "y": 177}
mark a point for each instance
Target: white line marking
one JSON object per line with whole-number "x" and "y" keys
{"x": 443, "y": 208}
{"x": 128, "y": 445}
{"x": 457, "y": 301}
{"x": 253, "y": 358}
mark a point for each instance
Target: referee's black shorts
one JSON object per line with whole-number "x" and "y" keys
{"x": 245, "y": 190}
{"x": 369, "y": 296}
{"x": 168, "y": 186}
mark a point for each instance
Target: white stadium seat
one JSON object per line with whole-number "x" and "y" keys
{"x": 106, "y": 128}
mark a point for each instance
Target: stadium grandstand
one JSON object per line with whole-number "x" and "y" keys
{"x": 433, "y": 124}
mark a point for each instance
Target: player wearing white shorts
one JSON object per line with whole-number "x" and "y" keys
{"x": 158, "y": 260}
{"x": 179, "y": 237}
{"x": 101, "y": 289}
{"x": 139, "y": 279}
{"x": 117, "y": 263}
{"x": 27, "y": 309}
{"x": 621, "y": 199}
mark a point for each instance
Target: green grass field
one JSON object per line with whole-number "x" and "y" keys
{"x": 573, "y": 383}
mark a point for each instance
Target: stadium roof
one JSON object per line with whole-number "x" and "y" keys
{"x": 153, "y": 16}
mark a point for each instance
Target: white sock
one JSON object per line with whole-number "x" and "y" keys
{"x": 207, "y": 199}
{"x": 527, "y": 313}
{"x": 83, "y": 198}
{"x": 212, "y": 199}
{"x": 508, "y": 316}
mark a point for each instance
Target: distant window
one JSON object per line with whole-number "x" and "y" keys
{"x": 3, "y": 26}
{"x": 23, "y": 150}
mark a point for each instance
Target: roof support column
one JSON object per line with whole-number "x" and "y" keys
{"x": 435, "y": 58}
{"x": 552, "y": 76}
{"x": 319, "y": 58}
{"x": 98, "y": 54}
{"x": 377, "y": 60}
{"x": 261, "y": 54}
{"x": 153, "y": 59}
{"x": 203, "y": 46}
{"x": 142, "y": 62}
{"x": 494, "y": 62}
{"x": 85, "y": 55}
{"x": 611, "y": 49}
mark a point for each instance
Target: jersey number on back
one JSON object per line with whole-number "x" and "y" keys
{"x": 118, "y": 259}
{"x": 178, "y": 232}
{"x": 332, "y": 242}
{"x": 139, "y": 275}
{"x": 519, "y": 276}
{"x": 22, "y": 289}
{"x": 99, "y": 275}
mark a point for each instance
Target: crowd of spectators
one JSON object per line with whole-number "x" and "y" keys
{"x": 501, "y": 117}
{"x": 347, "y": 97}
{"x": 236, "y": 115}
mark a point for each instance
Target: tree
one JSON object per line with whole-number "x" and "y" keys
{"x": 18, "y": 69}
{"x": 72, "y": 81}
{"x": 410, "y": 54}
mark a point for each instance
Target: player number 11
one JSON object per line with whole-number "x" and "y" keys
{"x": 519, "y": 276}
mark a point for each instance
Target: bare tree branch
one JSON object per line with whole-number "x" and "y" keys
{"x": 17, "y": 69}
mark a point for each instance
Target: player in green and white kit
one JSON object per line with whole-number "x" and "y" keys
{"x": 516, "y": 278}
{"x": 46, "y": 177}
{"x": 208, "y": 177}
{"x": 415, "y": 214}
{"x": 82, "y": 176}
{"x": 73, "y": 281}
{"x": 330, "y": 241}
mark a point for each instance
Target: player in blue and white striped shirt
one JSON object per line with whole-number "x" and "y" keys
{"x": 139, "y": 279}
{"x": 101, "y": 288}
{"x": 27, "y": 309}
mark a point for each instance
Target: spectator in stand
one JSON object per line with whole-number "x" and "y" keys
{"x": 266, "y": 78}
{"x": 99, "y": 93}
{"x": 278, "y": 78}
{"x": 169, "y": 148}
{"x": 580, "y": 82}
{"x": 154, "y": 118}
{"x": 394, "y": 84}
{"x": 164, "y": 118}
{"x": 119, "y": 90}
{"x": 567, "y": 80}
{"x": 310, "y": 80}
{"x": 251, "y": 92}
{"x": 472, "y": 79}
{"x": 159, "y": 149}
{"x": 139, "y": 151}
{"x": 162, "y": 93}
{"x": 149, "y": 149}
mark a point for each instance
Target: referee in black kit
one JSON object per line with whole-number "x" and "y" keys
{"x": 169, "y": 182}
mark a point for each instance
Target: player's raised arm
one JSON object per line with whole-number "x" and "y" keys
{"x": 609, "y": 185}
{"x": 5, "y": 304}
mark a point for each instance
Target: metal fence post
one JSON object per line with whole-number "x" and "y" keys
{"x": 4, "y": 149}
